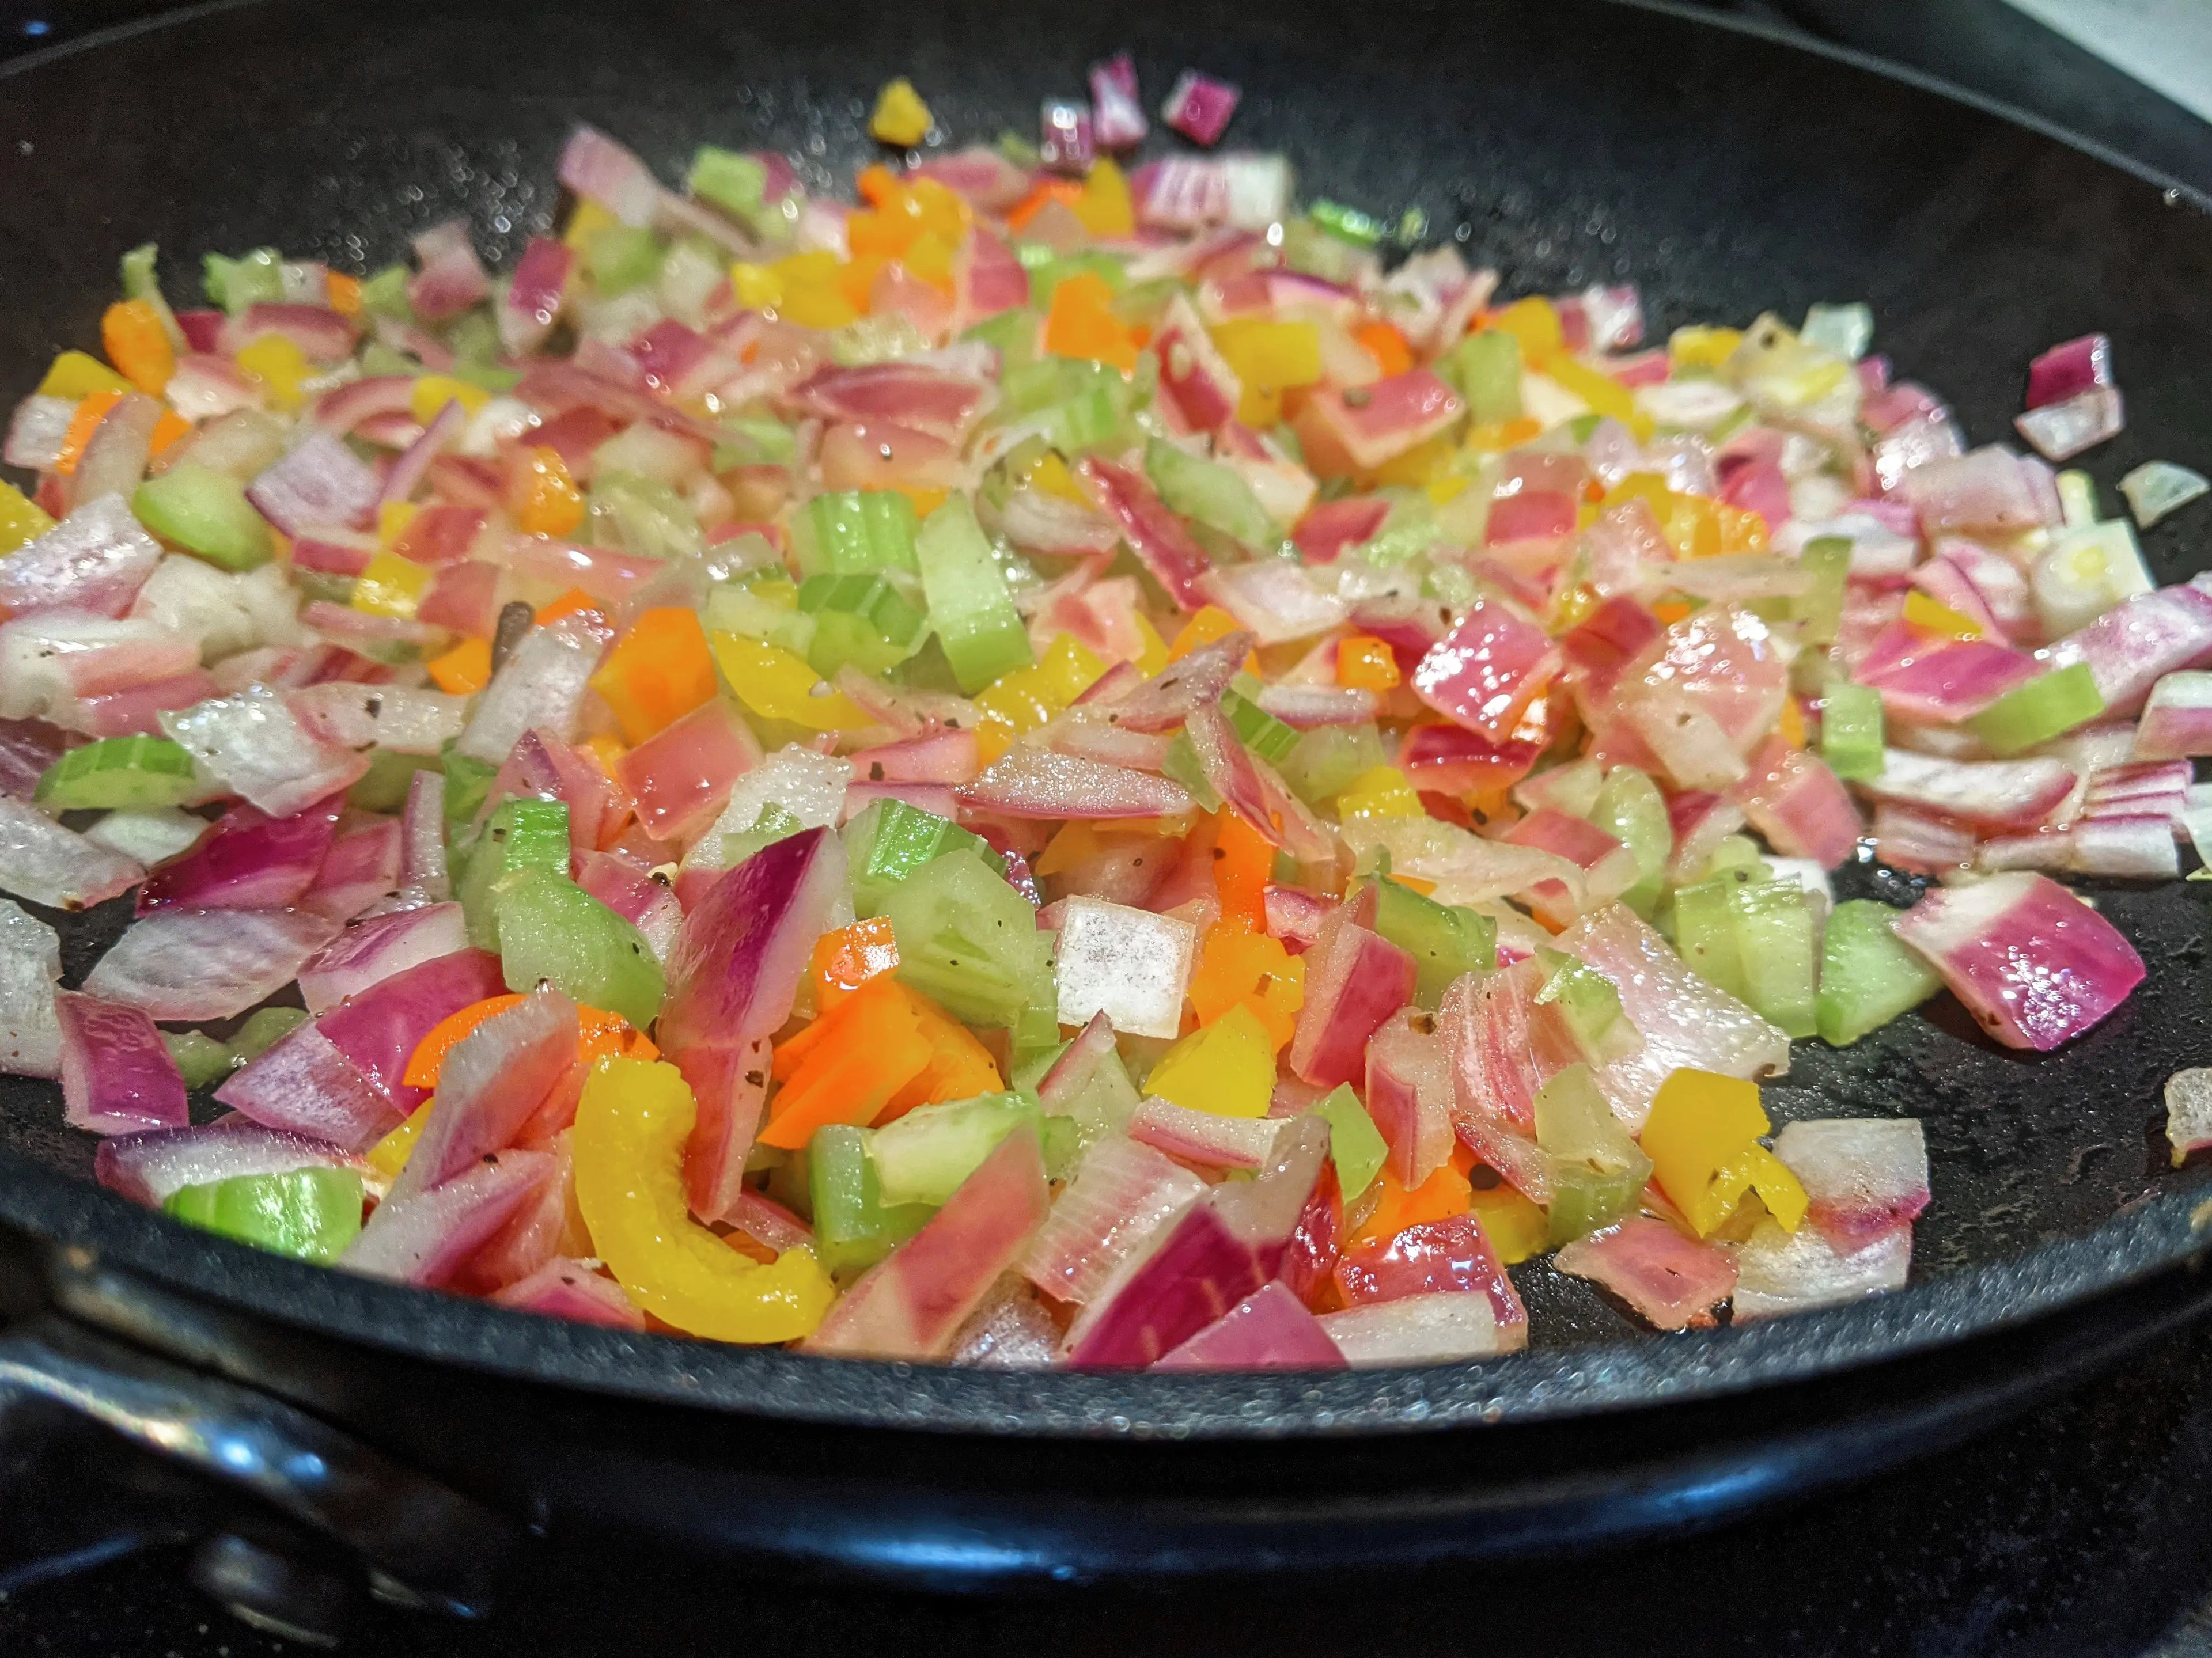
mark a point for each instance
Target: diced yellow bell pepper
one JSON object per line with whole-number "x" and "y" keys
{"x": 1227, "y": 1067}
{"x": 1366, "y": 663}
{"x": 1269, "y": 357}
{"x": 433, "y": 392}
{"x": 22, "y": 520}
{"x": 1207, "y": 624}
{"x": 281, "y": 367}
{"x": 1252, "y": 971}
{"x": 587, "y": 221}
{"x": 1379, "y": 792}
{"x": 777, "y": 685}
{"x": 901, "y": 117}
{"x": 1535, "y": 324}
{"x": 1105, "y": 207}
{"x": 1703, "y": 1139}
{"x": 1024, "y": 699}
{"x": 632, "y": 1125}
{"x": 1925, "y": 613}
{"x": 1152, "y": 655}
{"x": 392, "y": 518}
{"x": 1604, "y": 394}
{"x": 391, "y": 585}
{"x": 1421, "y": 464}
{"x": 389, "y": 1155}
{"x": 756, "y": 286}
{"x": 929, "y": 256}
{"x": 77, "y": 374}
{"x": 1516, "y": 1227}
{"x": 1703, "y": 347}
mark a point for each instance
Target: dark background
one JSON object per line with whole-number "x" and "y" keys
{"x": 2079, "y": 1529}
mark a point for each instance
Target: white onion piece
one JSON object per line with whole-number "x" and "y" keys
{"x": 537, "y": 688}
{"x": 1779, "y": 1271}
{"x": 1129, "y": 964}
{"x": 2188, "y": 1112}
{"x": 1433, "y": 1328}
{"x": 253, "y": 745}
{"x": 49, "y": 864}
{"x": 30, "y": 967}
{"x": 207, "y": 963}
{"x": 150, "y": 835}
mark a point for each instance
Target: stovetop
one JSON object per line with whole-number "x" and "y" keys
{"x": 2076, "y": 1530}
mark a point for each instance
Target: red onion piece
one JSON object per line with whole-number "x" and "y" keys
{"x": 2069, "y": 369}
{"x": 1155, "y": 535}
{"x": 1118, "y": 114}
{"x": 2177, "y": 719}
{"x": 305, "y": 1085}
{"x": 940, "y": 757}
{"x": 1455, "y": 760}
{"x": 1863, "y": 1175}
{"x": 95, "y": 561}
{"x": 1432, "y": 1329}
{"x": 1269, "y": 1330}
{"x": 535, "y": 294}
{"x": 731, "y": 1086}
{"x": 1122, "y": 1192}
{"x": 564, "y": 1288}
{"x": 117, "y": 1075}
{"x": 1302, "y": 707}
{"x": 736, "y": 967}
{"x": 342, "y": 408}
{"x": 1792, "y": 798}
{"x": 1032, "y": 782}
{"x": 944, "y": 406}
{"x": 247, "y": 860}
{"x": 1276, "y": 599}
{"x": 489, "y": 1086}
{"x": 1374, "y": 424}
{"x": 2032, "y": 963}
{"x": 681, "y": 777}
{"x": 2140, "y": 640}
{"x": 1779, "y": 1271}
{"x": 373, "y": 950}
{"x": 2014, "y": 794}
{"x": 425, "y": 1239}
{"x": 1204, "y": 1137}
{"x": 1923, "y": 842}
{"x": 1229, "y": 769}
{"x": 450, "y": 280}
{"x": 1608, "y": 867}
{"x": 1196, "y": 681}
{"x": 114, "y": 460}
{"x": 1504, "y": 1045}
{"x": 1199, "y": 107}
{"x": 538, "y": 687}
{"x": 2060, "y": 431}
{"x": 1355, "y": 979}
{"x": 1329, "y": 528}
{"x": 1452, "y": 1256}
{"x": 35, "y": 433}
{"x": 443, "y": 431}
{"x": 1197, "y": 378}
{"x": 323, "y": 335}
{"x": 1987, "y": 490}
{"x": 49, "y": 864}
{"x": 1673, "y": 1282}
{"x": 1939, "y": 681}
{"x": 199, "y": 964}
{"x": 251, "y": 745}
{"x": 982, "y": 175}
{"x": 1483, "y": 674}
{"x": 1409, "y": 1095}
{"x": 378, "y": 1028}
{"x": 146, "y": 1168}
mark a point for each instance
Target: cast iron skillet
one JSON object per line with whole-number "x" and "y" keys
{"x": 1723, "y": 171}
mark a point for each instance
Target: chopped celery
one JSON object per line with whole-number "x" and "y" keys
{"x": 205, "y": 512}
{"x": 384, "y": 786}
{"x": 255, "y": 278}
{"x": 853, "y": 1227}
{"x": 1852, "y": 729}
{"x": 889, "y": 841}
{"x": 1596, "y": 1170}
{"x": 1258, "y": 730}
{"x": 754, "y": 440}
{"x": 139, "y": 281}
{"x": 644, "y": 516}
{"x": 550, "y": 928}
{"x": 1180, "y": 765}
{"x": 1868, "y": 975}
{"x": 970, "y": 608}
{"x": 855, "y": 532}
{"x": 310, "y": 1214}
{"x": 467, "y": 781}
{"x": 1845, "y": 331}
{"x": 384, "y": 293}
{"x": 1328, "y": 758}
{"x": 1706, "y": 933}
{"x": 200, "y": 1059}
{"x": 1630, "y": 809}
{"x": 1777, "y": 928}
{"x": 1355, "y": 1145}
{"x": 1445, "y": 940}
{"x": 1104, "y": 1104}
{"x": 378, "y": 358}
{"x": 969, "y": 941}
{"x": 924, "y": 1156}
{"x": 863, "y": 620}
{"x": 1209, "y": 493}
{"x": 1591, "y": 1004}
{"x": 619, "y": 259}
{"x": 473, "y": 338}
{"x": 120, "y": 774}
{"x": 2047, "y": 705}
{"x": 766, "y": 608}
{"x": 263, "y": 1030}
{"x": 774, "y": 824}
{"x": 521, "y": 833}
{"x": 1012, "y": 334}
{"x": 1486, "y": 368}
{"x": 1819, "y": 608}
{"x": 736, "y": 184}
{"x": 1348, "y": 224}
{"x": 1410, "y": 531}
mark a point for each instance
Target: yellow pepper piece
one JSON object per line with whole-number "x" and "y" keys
{"x": 1227, "y": 1067}
{"x": 1533, "y": 323}
{"x": 1252, "y": 971}
{"x": 1497, "y": 436}
{"x": 587, "y": 221}
{"x": 1026, "y": 698}
{"x": 1604, "y": 394}
{"x": 929, "y": 256}
{"x": 131, "y": 334}
{"x": 1049, "y": 473}
{"x": 392, "y": 521}
{"x": 1152, "y": 654}
{"x": 22, "y": 520}
{"x": 777, "y": 685}
{"x": 1702, "y": 1137}
{"x": 1789, "y": 724}
{"x": 1379, "y": 792}
{"x": 1516, "y": 1227}
{"x": 280, "y": 366}
{"x": 1365, "y": 663}
{"x": 1703, "y": 347}
{"x": 901, "y": 117}
{"x": 389, "y": 1155}
{"x": 756, "y": 286}
{"x": 1207, "y": 624}
{"x": 391, "y": 585}
{"x": 77, "y": 375}
{"x": 1925, "y": 613}
{"x": 1268, "y": 357}
{"x": 631, "y": 1126}
{"x": 1740, "y": 530}
{"x": 433, "y": 392}
{"x": 1105, "y": 207}
{"x": 463, "y": 670}
{"x": 1421, "y": 465}
{"x": 817, "y": 307}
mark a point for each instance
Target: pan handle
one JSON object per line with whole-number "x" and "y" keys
{"x": 425, "y": 1544}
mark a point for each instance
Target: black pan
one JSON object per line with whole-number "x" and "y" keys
{"x": 1726, "y": 173}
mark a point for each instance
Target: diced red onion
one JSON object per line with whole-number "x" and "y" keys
{"x": 1117, "y": 113}
{"x": 1064, "y": 142}
{"x": 1276, "y": 599}
{"x": 201, "y": 964}
{"x": 116, "y": 1074}
{"x": 1483, "y": 673}
{"x": 1779, "y": 1271}
{"x": 49, "y": 864}
{"x": 36, "y": 432}
{"x": 378, "y": 1030}
{"x": 489, "y": 1086}
{"x": 1269, "y": 1330}
{"x": 2177, "y": 719}
{"x": 1122, "y": 1192}
{"x": 1792, "y": 798}
{"x": 2159, "y": 487}
{"x": 1996, "y": 793}
{"x": 1674, "y": 1283}
{"x": 323, "y": 335}
{"x": 535, "y": 294}
{"x": 538, "y": 687}
{"x": 424, "y": 1240}
{"x": 1987, "y": 490}
{"x": 94, "y": 560}
{"x": 440, "y": 435}
{"x": 2069, "y": 369}
{"x": 251, "y": 745}
{"x": 1156, "y": 535}
{"x": 2139, "y": 642}
{"x": 342, "y": 408}
{"x": 1128, "y": 964}
{"x": 247, "y": 860}
{"x": 1863, "y": 1175}
{"x": 1033, "y": 782}
{"x": 2060, "y": 431}
{"x": 114, "y": 460}
{"x": 680, "y": 777}
{"x": 563, "y": 1288}
{"x": 1924, "y": 842}
{"x": 1409, "y": 1095}
{"x": 1206, "y": 1138}
{"x": 1200, "y": 108}
{"x": 2032, "y": 963}
{"x": 375, "y": 950}
{"x": 1355, "y": 979}
{"x": 450, "y": 280}
{"x": 1374, "y": 424}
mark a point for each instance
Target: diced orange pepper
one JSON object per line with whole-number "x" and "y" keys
{"x": 91, "y": 411}
{"x": 1366, "y": 663}
{"x": 544, "y": 499}
{"x": 875, "y": 184}
{"x": 1443, "y": 1194}
{"x": 1244, "y": 863}
{"x": 857, "y": 278}
{"x": 1505, "y": 435}
{"x": 1047, "y": 190}
{"x": 1671, "y": 611}
{"x": 598, "y": 1034}
{"x": 1387, "y": 346}
{"x": 570, "y": 603}
{"x": 1792, "y": 725}
{"x": 960, "y": 1067}
{"x": 131, "y": 334}
{"x": 847, "y": 958}
{"x": 926, "y": 502}
{"x": 657, "y": 672}
{"x": 1081, "y": 324}
{"x": 1251, "y": 970}
{"x": 345, "y": 294}
{"x": 867, "y": 1050}
{"x": 464, "y": 670}
{"x": 169, "y": 429}
{"x": 1207, "y": 624}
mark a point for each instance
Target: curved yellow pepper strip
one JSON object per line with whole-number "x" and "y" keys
{"x": 631, "y": 1126}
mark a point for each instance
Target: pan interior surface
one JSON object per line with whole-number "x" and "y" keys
{"x": 1723, "y": 173}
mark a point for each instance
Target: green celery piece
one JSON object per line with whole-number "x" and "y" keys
{"x": 754, "y": 440}
{"x": 645, "y": 516}
{"x": 1844, "y": 330}
{"x": 1779, "y": 942}
{"x": 1142, "y": 304}
{"x": 1596, "y": 1170}
{"x": 1630, "y": 809}
{"x": 467, "y": 781}
{"x": 1088, "y": 420}
{"x": 384, "y": 293}
{"x": 855, "y": 532}
{"x": 864, "y": 620}
{"x": 1103, "y": 1107}
{"x": 853, "y": 1228}
{"x": 263, "y": 1028}
{"x": 923, "y": 1157}
{"x": 309, "y": 1214}
{"x": 1819, "y": 608}
{"x": 384, "y": 786}
{"x": 773, "y": 824}
{"x": 521, "y": 833}
{"x": 1012, "y": 334}
{"x": 378, "y": 358}
{"x": 1355, "y": 1143}
{"x": 550, "y": 928}
{"x": 1410, "y": 531}
{"x": 735, "y": 183}
{"x": 1061, "y": 1140}
{"x": 752, "y": 609}
{"x": 1032, "y": 256}
{"x": 969, "y": 608}
{"x": 620, "y": 258}
{"x": 200, "y": 1059}
{"x": 969, "y": 941}
{"x": 139, "y": 281}
{"x": 1313, "y": 251}
{"x": 1348, "y": 224}
{"x": 1328, "y": 758}
{"x": 1868, "y": 974}
{"x": 1211, "y": 493}
{"x": 120, "y": 773}
{"x": 255, "y": 278}
{"x": 1028, "y": 1064}
{"x": 473, "y": 338}
{"x": 1258, "y": 730}
{"x": 1591, "y": 1004}
{"x": 1852, "y": 729}
{"x": 1706, "y": 933}
{"x": 2049, "y": 705}
{"x": 1486, "y": 367}
{"x": 205, "y": 512}
{"x": 1180, "y": 765}
{"x": 1445, "y": 940}
{"x": 2078, "y": 499}
{"x": 488, "y": 376}
{"x": 889, "y": 841}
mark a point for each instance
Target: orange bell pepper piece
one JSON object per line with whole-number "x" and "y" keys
{"x": 657, "y": 672}
{"x": 847, "y": 1065}
{"x": 570, "y": 603}
{"x": 91, "y": 411}
{"x": 1443, "y": 1194}
{"x": 1244, "y": 863}
{"x": 1251, "y": 970}
{"x": 1366, "y": 663}
{"x": 544, "y": 499}
{"x": 464, "y": 670}
{"x": 1047, "y": 190}
{"x": 131, "y": 334}
{"x": 1081, "y": 324}
{"x": 960, "y": 1067}
{"x": 345, "y": 294}
{"x": 847, "y": 958}
{"x": 1387, "y": 346}
{"x": 598, "y": 1035}
{"x": 1207, "y": 624}
{"x": 166, "y": 430}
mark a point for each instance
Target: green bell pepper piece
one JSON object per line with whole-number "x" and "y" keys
{"x": 309, "y": 1214}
